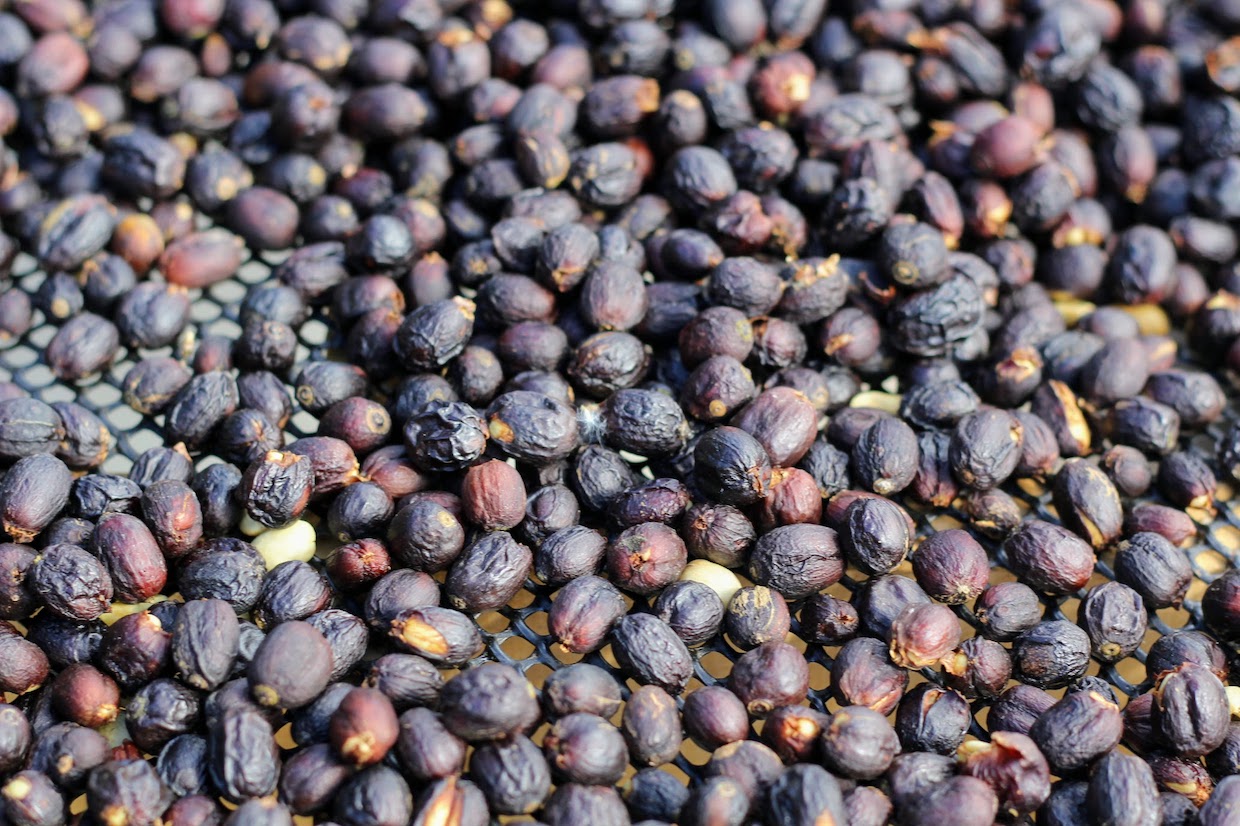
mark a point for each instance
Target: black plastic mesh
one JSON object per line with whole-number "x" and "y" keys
{"x": 517, "y": 634}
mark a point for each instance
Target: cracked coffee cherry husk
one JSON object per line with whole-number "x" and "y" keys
{"x": 441, "y": 635}
{"x": 364, "y": 727}
{"x": 792, "y": 732}
{"x": 1191, "y": 710}
{"x": 980, "y": 667}
{"x": 828, "y": 620}
{"x": 933, "y": 719}
{"x": 1087, "y": 503}
{"x": 1012, "y": 766}
{"x": 398, "y": 591}
{"x": 862, "y": 674}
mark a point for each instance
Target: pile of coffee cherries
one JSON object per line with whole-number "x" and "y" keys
{"x": 715, "y": 413}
